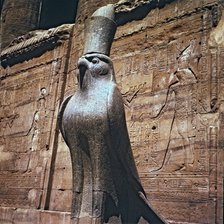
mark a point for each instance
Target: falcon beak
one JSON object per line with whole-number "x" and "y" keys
{"x": 82, "y": 71}
{"x": 82, "y": 66}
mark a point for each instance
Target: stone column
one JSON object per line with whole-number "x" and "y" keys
{"x": 18, "y": 17}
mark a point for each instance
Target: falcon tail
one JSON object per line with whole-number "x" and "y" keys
{"x": 133, "y": 205}
{"x": 151, "y": 215}
{"x": 139, "y": 207}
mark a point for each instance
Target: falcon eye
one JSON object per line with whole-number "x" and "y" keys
{"x": 95, "y": 60}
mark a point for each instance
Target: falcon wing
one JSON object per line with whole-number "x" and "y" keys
{"x": 121, "y": 151}
{"x": 131, "y": 196}
{"x": 60, "y": 115}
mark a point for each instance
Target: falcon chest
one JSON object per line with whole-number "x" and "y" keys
{"x": 87, "y": 111}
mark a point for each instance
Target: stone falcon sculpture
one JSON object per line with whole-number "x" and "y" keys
{"x": 93, "y": 125}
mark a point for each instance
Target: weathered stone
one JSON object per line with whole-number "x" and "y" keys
{"x": 6, "y": 214}
{"x": 62, "y": 195}
{"x": 26, "y": 216}
{"x": 18, "y": 17}
{"x": 169, "y": 67}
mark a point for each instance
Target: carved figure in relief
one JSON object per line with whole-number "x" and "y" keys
{"x": 92, "y": 122}
{"x": 182, "y": 122}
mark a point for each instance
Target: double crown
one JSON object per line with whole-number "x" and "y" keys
{"x": 100, "y": 31}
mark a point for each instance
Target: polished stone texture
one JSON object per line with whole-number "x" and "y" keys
{"x": 93, "y": 125}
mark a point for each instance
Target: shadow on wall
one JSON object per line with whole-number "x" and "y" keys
{"x": 57, "y": 12}
{"x": 1, "y": 4}
{"x": 21, "y": 17}
{"x": 137, "y": 11}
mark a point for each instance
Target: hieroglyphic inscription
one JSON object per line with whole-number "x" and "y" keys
{"x": 167, "y": 117}
{"x": 176, "y": 188}
{"x": 202, "y": 164}
{"x": 213, "y": 161}
{"x": 214, "y": 81}
{"x": 15, "y": 188}
{"x": 220, "y": 63}
{"x": 185, "y": 107}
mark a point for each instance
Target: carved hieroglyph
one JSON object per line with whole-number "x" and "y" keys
{"x": 172, "y": 98}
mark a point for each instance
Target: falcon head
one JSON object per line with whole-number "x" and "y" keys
{"x": 92, "y": 67}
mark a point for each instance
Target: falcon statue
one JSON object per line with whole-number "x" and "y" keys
{"x": 93, "y": 125}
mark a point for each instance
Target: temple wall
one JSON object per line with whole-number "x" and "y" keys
{"x": 169, "y": 68}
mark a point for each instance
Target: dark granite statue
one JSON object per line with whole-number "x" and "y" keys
{"x": 92, "y": 122}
